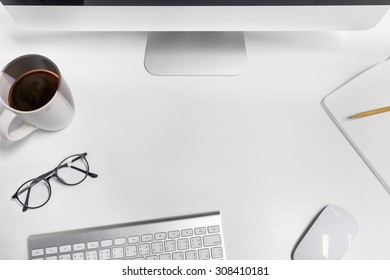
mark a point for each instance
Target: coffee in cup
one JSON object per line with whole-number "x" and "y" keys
{"x": 33, "y": 90}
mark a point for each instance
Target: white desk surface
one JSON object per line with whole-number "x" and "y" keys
{"x": 258, "y": 147}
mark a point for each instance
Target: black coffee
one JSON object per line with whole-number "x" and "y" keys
{"x": 33, "y": 90}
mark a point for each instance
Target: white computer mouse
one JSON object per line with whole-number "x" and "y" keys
{"x": 329, "y": 237}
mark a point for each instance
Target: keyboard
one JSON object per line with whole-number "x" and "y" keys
{"x": 191, "y": 237}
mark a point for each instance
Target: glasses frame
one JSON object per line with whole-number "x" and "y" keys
{"x": 46, "y": 178}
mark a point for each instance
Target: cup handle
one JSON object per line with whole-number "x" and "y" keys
{"x": 6, "y": 119}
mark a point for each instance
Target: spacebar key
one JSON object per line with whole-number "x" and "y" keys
{"x": 212, "y": 240}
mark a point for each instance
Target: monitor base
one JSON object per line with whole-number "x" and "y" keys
{"x": 196, "y": 53}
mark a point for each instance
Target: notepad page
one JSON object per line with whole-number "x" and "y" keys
{"x": 370, "y": 136}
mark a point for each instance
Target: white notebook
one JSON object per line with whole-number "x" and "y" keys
{"x": 370, "y": 136}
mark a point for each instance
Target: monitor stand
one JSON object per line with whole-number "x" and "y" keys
{"x": 196, "y": 53}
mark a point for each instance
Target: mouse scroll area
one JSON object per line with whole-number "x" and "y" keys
{"x": 329, "y": 237}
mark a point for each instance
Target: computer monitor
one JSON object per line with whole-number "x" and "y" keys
{"x": 196, "y": 37}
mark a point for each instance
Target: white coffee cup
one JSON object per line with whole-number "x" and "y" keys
{"x": 55, "y": 115}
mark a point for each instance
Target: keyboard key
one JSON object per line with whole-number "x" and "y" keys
{"x": 91, "y": 255}
{"x": 165, "y": 256}
{"x": 120, "y": 241}
{"x": 170, "y": 245}
{"x": 93, "y": 245}
{"x": 212, "y": 240}
{"x": 153, "y": 258}
{"x": 106, "y": 243}
{"x": 191, "y": 255}
{"x": 78, "y": 256}
{"x": 131, "y": 251}
{"x": 157, "y": 247}
{"x": 160, "y": 236}
{"x": 139, "y": 259}
{"x": 174, "y": 234}
{"x": 133, "y": 239}
{"x": 65, "y": 257}
{"x": 178, "y": 256}
{"x": 187, "y": 232}
{"x": 65, "y": 249}
{"x": 144, "y": 249}
{"x": 51, "y": 250}
{"x": 216, "y": 253}
{"x": 117, "y": 253}
{"x": 79, "y": 247}
{"x": 104, "y": 254}
{"x": 200, "y": 231}
{"x": 204, "y": 254}
{"x": 52, "y": 258}
{"x": 213, "y": 229}
{"x": 37, "y": 252}
{"x": 196, "y": 242}
{"x": 147, "y": 237}
{"x": 183, "y": 244}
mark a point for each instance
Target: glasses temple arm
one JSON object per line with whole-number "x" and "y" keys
{"x": 93, "y": 175}
{"x": 25, "y": 204}
{"x": 80, "y": 156}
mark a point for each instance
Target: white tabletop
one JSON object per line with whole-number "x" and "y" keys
{"x": 257, "y": 147}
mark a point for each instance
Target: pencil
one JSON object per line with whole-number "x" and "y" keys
{"x": 371, "y": 112}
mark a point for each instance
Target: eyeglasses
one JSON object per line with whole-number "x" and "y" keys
{"x": 36, "y": 192}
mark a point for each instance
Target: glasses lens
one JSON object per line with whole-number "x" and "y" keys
{"x": 38, "y": 193}
{"x": 73, "y": 170}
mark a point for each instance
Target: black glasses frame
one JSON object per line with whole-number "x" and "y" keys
{"x": 27, "y": 186}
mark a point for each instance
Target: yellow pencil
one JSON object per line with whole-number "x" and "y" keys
{"x": 371, "y": 112}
